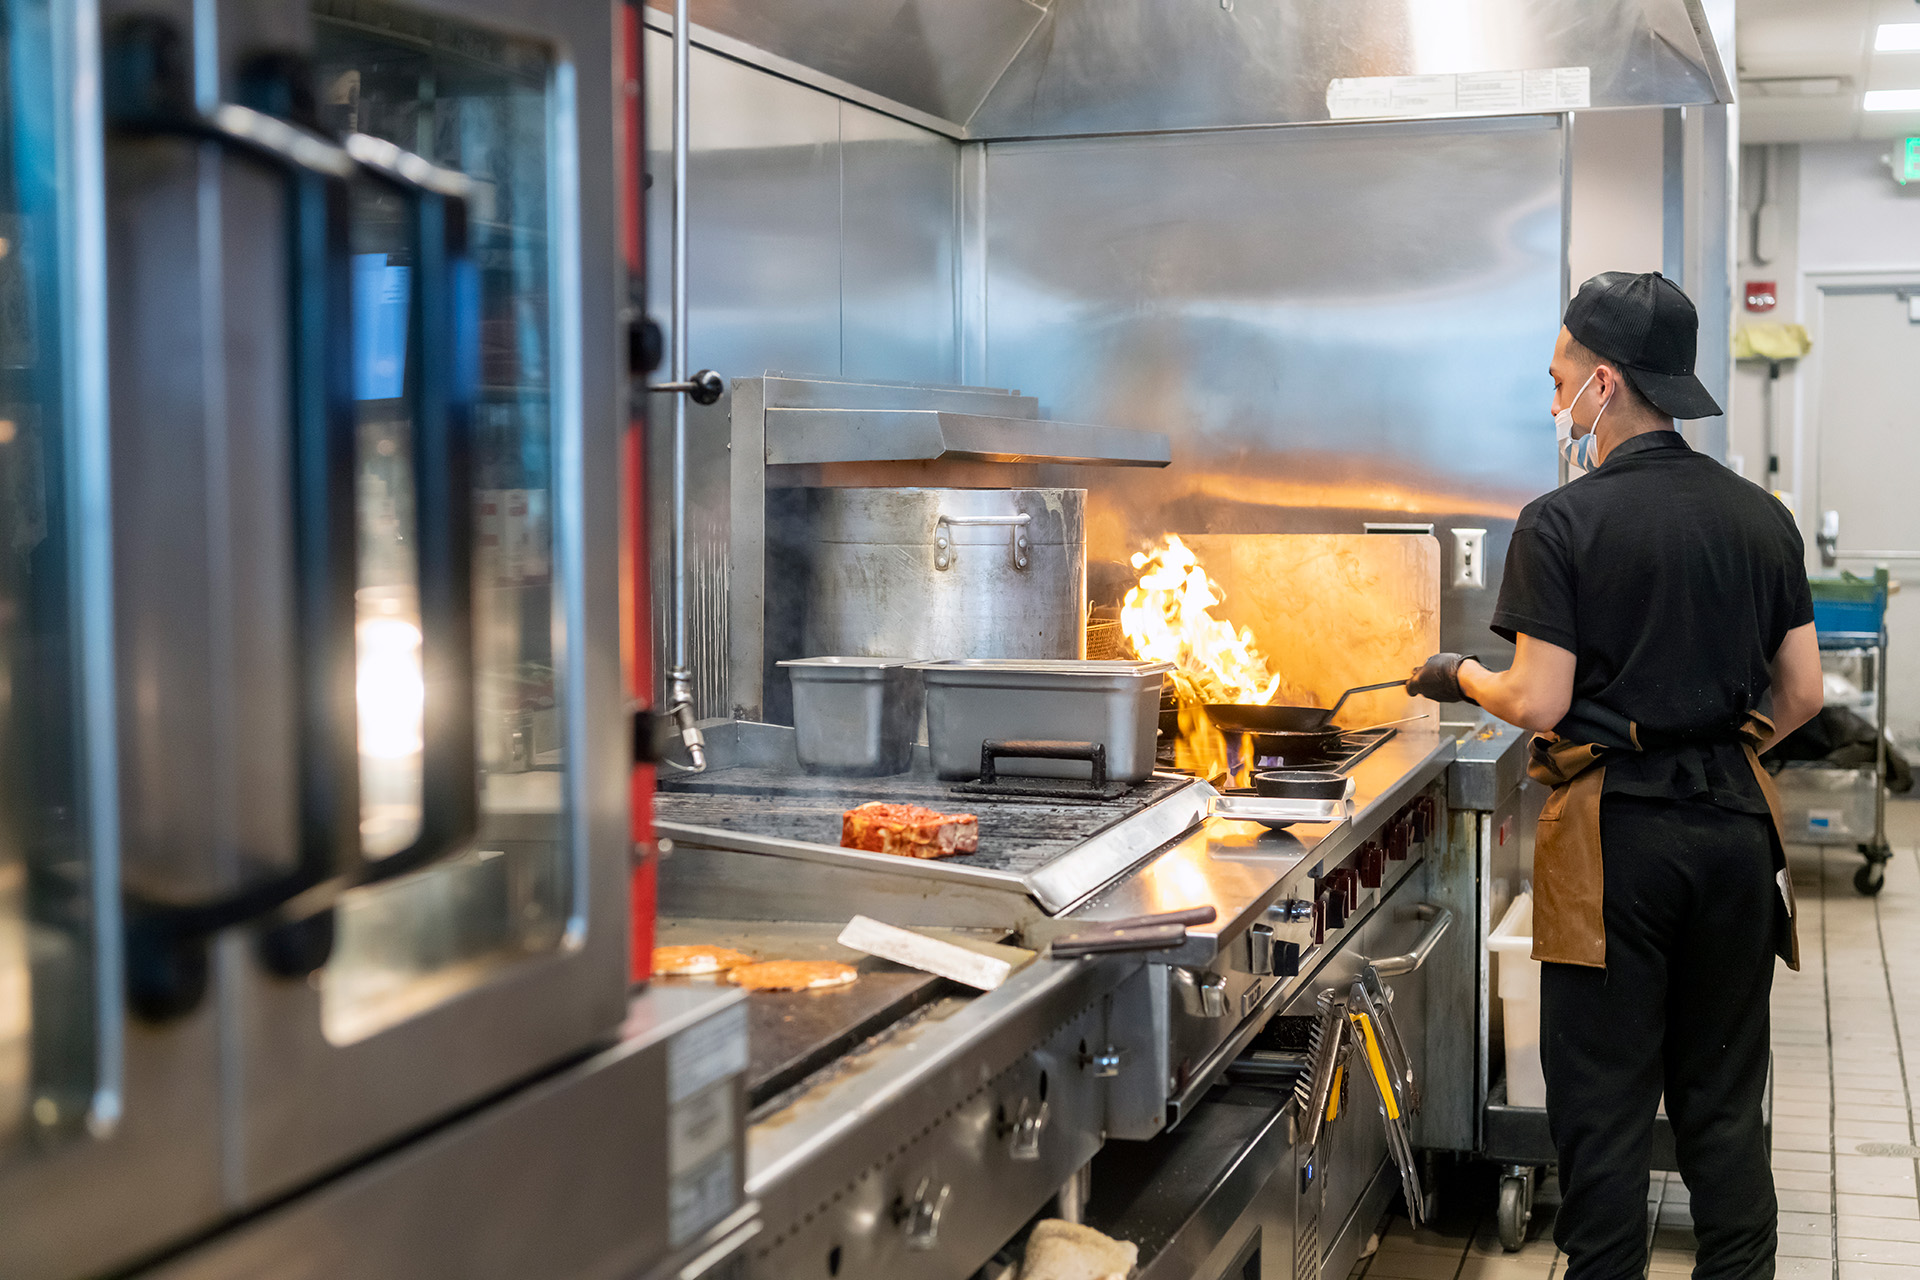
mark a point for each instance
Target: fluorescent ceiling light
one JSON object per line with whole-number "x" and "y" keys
{"x": 1892, "y": 100}
{"x": 1895, "y": 36}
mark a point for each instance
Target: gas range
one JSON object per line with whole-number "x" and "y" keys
{"x": 1114, "y": 1047}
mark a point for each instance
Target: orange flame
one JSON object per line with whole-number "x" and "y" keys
{"x": 1168, "y": 617}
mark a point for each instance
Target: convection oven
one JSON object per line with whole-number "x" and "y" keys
{"x": 314, "y": 755}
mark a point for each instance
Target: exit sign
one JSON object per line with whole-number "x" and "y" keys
{"x": 1909, "y": 168}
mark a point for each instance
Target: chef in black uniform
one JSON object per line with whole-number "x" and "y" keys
{"x": 1664, "y": 634}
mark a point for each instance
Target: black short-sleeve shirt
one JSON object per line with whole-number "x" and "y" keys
{"x": 1672, "y": 581}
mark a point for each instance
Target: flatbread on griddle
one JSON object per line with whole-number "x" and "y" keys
{"x": 697, "y": 961}
{"x": 792, "y": 975}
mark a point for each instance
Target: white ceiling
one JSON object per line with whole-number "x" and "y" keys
{"x": 1792, "y": 53}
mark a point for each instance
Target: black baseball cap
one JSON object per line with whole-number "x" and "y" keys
{"x": 1648, "y": 327}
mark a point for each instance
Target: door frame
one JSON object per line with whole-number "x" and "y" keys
{"x": 1815, "y": 288}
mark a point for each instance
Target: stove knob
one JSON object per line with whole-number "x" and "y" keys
{"x": 1372, "y": 866}
{"x": 1260, "y": 949}
{"x": 1319, "y": 919}
{"x": 1350, "y": 880}
{"x": 922, "y": 1217}
{"x": 1399, "y": 836}
{"x": 1334, "y": 905}
{"x": 1286, "y": 959}
{"x": 1203, "y": 994}
{"x": 1023, "y": 1132}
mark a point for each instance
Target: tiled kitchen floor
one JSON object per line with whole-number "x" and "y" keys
{"x": 1846, "y": 1046}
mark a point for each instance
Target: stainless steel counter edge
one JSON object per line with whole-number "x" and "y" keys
{"x": 1491, "y": 759}
{"x": 990, "y": 1032}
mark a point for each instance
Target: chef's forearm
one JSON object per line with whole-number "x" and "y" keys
{"x": 1797, "y": 688}
{"x": 1497, "y": 692}
{"x": 1533, "y": 693}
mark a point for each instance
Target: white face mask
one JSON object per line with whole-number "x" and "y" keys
{"x": 1584, "y": 453}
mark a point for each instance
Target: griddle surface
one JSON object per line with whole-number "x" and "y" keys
{"x": 792, "y": 1034}
{"x": 1016, "y": 836}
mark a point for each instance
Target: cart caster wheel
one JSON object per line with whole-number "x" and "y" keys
{"x": 1871, "y": 879}
{"x": 1516, "y": 1211}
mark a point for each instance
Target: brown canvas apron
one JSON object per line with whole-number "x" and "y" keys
{"x": 1569, "y": 879}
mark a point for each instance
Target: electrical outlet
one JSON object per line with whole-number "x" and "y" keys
{"x": 1470, "y": 557}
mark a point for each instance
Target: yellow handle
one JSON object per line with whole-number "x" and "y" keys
{"x": 1333, "y": 1093}
{"x": 1377, "y": 1063}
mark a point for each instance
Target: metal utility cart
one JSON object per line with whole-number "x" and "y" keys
{"x": 1829, "y": 804}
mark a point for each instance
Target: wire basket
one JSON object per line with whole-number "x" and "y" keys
{"x": 1106, "y": 642}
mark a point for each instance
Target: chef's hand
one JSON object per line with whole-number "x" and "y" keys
{"x": 1439, "y": 678}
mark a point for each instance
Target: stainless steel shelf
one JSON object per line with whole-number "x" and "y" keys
{"x": 822, "y": 420}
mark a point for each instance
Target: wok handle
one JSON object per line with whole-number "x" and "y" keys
{"x": 1364, "y": 688}
{"x": 993, "y": 750}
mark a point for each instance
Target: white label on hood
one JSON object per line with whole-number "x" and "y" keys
{"x": 1472, "y": 93}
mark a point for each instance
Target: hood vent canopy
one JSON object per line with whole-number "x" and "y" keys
{"x": 1047, "y": 68}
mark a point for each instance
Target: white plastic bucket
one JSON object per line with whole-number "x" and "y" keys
{"x": 1519, "y": 987}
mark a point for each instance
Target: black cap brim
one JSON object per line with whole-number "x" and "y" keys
{"x": 1678, "y": 395}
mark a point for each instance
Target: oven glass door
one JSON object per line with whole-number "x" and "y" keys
{"x": 480, "y": 104}
{"x": 507, "y": 953}
{"x": 51, "y": 1022}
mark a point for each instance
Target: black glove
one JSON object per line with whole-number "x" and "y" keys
{"x": 1439, "y": 678}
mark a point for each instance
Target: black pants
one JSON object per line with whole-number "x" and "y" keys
{"x": 1681, "y": 1006}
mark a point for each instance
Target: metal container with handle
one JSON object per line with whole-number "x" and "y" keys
{"x": 967, "y": 573}
{"x": 972, "y": 701}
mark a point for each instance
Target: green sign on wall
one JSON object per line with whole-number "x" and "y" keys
{"x": 1909, "y": 169}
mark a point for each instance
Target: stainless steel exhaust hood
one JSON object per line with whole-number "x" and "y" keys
{"x": 1039, "y": 68}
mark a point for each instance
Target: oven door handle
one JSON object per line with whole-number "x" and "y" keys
{"x": 444, "y": 346}
{"x": 1410, "y": 961}
{"x": 146, "y": 92}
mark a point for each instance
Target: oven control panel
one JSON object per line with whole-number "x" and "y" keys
{"x": 1213, "y": 1011}
{"x": 1332, "y": 898}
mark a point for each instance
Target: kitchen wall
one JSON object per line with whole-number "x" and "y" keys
{"x": 821, "y": 234}
{"x": 1335, "y": 325}
{"x": 1839, "y": 214}
{"x": 1771, "y": 176}
{"x": 1843, "y": 221}
{"x": 821, "y": 240}
{"x": 1618, "y": 193}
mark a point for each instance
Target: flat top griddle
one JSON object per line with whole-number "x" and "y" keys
{"x": 1054, "y": 849}
{"x": 792, "y": 1034}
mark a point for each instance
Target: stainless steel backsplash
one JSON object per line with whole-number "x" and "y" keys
{"x": 1336, "y": 324}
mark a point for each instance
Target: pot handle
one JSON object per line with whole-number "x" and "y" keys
{"x": 944, "y": 552}
{"x": 993, "y": 750}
